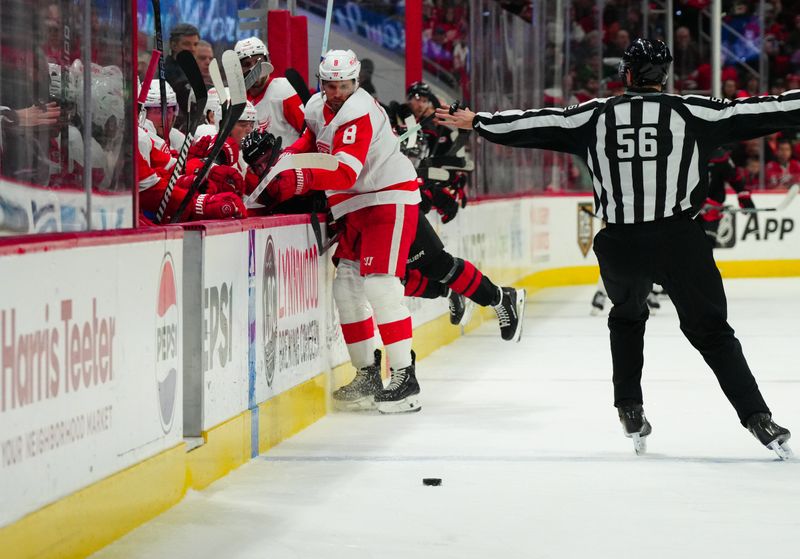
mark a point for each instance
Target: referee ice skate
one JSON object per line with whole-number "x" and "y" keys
{"x": 647, "y": 152}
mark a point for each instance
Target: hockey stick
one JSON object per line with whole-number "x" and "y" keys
{"x": 233, "y": 71}
{"x": 791, "y": 194}
{"x": 148, "y": 79}
{"x": 789, "y": 198}
{"x": 407, "y": 133}
{"x": 299, "y": 84}
{"x": 219, "y": 85}
{"x": 292, "y": 161}
{"x": 66, "y": 12}
{"x": 327, "y": 31}
{"x": 188, "y": 64}
{"x": 410, "y": 122}
{"x": 162, "y": 76}
{"x": 329, "y": 243}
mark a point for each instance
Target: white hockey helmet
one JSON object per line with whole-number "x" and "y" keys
{"x": 154, "y": 96}
{"x": 339, "y": 66}
{"x": 113, "y": 74}
{"x": 212, "y": 102}
{"x": 249, "y": 114}
{"x": 252, "y": 46}
{"x": 107, "y": 100}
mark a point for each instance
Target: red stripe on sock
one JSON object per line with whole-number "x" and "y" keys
{"x": 415, "y": 283}
{"x": 423, "y": 284}
{"x": 396, "y": 331}
{"x": 358, "y": 331}
{"x": 462, "y": 282}
{"x": 476, "y": 281}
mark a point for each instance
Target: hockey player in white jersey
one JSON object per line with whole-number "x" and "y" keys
{"x": 279, "y": 108}
{"x": 373, "y": 195}
{"x": 152, "y": 106}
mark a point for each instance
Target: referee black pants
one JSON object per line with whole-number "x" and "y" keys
{"x": 674, "y": 253}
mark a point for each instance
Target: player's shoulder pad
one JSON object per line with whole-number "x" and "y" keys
{"x": 356, "y": 106}
{"x": 315, "y": 104}
{"x": 280, "y": 88}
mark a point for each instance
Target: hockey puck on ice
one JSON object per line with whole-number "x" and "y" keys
{"x": 432, "y": 481}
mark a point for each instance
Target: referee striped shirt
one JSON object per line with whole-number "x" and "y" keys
{"x": 647, "y": 151}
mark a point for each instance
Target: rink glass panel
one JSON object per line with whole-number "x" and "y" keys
{"x": 541, "y": 56}
{"x": 66, "y": 158}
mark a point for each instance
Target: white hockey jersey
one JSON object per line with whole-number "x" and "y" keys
{"x": 361, "y": 137}
{"x": 279, "y": 110}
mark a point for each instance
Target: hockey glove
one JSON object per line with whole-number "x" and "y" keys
{"x": 219, "y": 206}
{"x": 445, "y": 203}
{"x": 459, "y": 188}
{"x": 228, "y": 155}
{"x": 745, "y": 200}
{"x": 712, "y": 210}
{"x": 201, "y": 147}
{"x": 224, "y": 178}
{"x": 289, "y": 183}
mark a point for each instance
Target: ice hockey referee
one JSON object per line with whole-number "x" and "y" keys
{"x": 647, "y": 152}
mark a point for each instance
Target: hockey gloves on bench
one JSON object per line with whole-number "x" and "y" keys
{"x": 289, "y": 183}
{"x": 219, "y": 206}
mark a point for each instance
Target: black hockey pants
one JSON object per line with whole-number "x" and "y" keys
{"x": 674, "y": 253}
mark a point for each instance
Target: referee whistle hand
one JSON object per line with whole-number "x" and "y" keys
{"x": 461, "y": 118}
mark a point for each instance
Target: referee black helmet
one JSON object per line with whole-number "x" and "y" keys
{"x": 648, "y": 62}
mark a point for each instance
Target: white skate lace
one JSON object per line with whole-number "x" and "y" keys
{"x": 502, "y": 315}
{"x": 398, "y": 378}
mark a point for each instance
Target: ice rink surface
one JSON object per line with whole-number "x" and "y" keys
{"x": 532, "y": 456}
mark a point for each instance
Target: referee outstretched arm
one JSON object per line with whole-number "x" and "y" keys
{"x": 644, "y": 134}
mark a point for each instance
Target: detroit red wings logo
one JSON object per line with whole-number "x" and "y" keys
{"x": 263, "y": 125}
{"x": 322, "y": 147}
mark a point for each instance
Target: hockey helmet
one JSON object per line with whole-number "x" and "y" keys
{"x": 252, "y": 46}
{"x": 154, "y": 96}
{"x": 648, "y": 62}
{"x": 212, "y": 101}
{"x": 339, "y": 66}
{"x": 421, "y": 90}
{"x": 249, "y": 114}
{"x": 107, "y": 101}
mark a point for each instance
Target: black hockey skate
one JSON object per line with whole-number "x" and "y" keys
{"x": 360, "y": 393}
{"x": 402, "y": 394}
{"x": 598, "y": 302}
{"x": 635, "y": 426}
{"x": 511, "y": 313}
{"x": 457, "y": 304}
{"x": 770, "y": 434}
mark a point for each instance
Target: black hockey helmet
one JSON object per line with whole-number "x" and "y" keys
{"x": 648, "y": 62}
{"x": 421, "y": 89}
